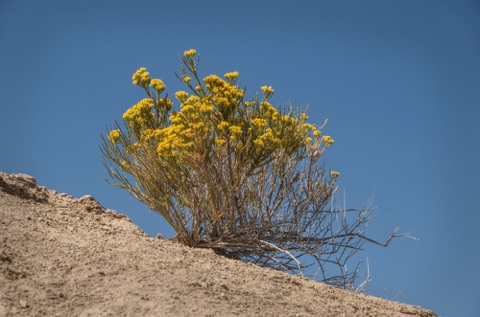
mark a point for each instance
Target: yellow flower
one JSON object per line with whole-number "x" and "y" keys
{"x": 176, "y": 118}
{"x": 307, "y": 126}
{"x": 235, "y": 129}
{"x": 189, "y": 53}
{"x": 165, "y": 103}
{"x": 259, "y": 122}
{"x": 137, "y": 77}
{"x": 186, "y": 79}
{"x": 206, "y": 107}
{"x": 213, "y": 81}
{"x": 181, "y": 95}
{"x": 145, "y": 77}
{"x": 158, "y": 85}
{"x": 186, "y": 108}
{"x": 267, "y": 91}
{"x": 224, "y": 125}
{"x": 270, "y": 110}
{"x": 193, "y": 99}
{"x": 220, "y": 141}
{"x": 164, "y": 147}
{"x": 140, "y": 112}
{"x": 328, "y": 140}
{"x": 269, "y": 137}
{"x": 231, "y": 76}
{"x": 148, "y": 134}
{"x": 334, "y": 174}
{"x": 259, "y": 142}
{"x": 289, "y": 120}
{"x": 316, "y": 133}
{"x": 114, "y": 135}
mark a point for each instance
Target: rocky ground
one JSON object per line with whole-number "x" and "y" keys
{"x": 62, "y": 256}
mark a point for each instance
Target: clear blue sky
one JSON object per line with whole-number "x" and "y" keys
{"x": 399, "y": 82}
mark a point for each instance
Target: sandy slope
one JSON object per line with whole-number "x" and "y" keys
{"x": 61, "y": 256}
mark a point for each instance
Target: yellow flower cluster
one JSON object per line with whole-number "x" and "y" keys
{"x": 148, "y": 134}
{"x": 259, "y": 122}
{"x": 328, "y": 140}
{"x": 288, "y": 119}
{"x": 175, "y": 137}
{"x": 269, "y": 111}
{"x": 231, "y": 77}
{"x": 213, "y": 115}
{"x": 141, "y": 77}
{"x": 334, "y": 174}
{"x": 114, "y": 136}
{"x": 220, "y": 141}
{"x": 189, "y": 127}
{"x": 164, "y": 103}
{"x": 158, "y": 85}
{"x": 268, "y": 138}
{"x": 181, "y": 95}
{"x": 223, "y": 126}
{"x": 194, "y": 103}
{"x": 267, "y": 91}
{"x": 236, "y": 131}
{"x": 190, "y": 53}
{"x": 226, "y": 96}
{"x": 307, "y": 128}
{"x": 259, "y": 142}
{"x": 139, "y": 114}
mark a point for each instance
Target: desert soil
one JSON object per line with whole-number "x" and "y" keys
{"x": 62, "y": 256}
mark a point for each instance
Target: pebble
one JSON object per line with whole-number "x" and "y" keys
{"x": 23, "y": 303}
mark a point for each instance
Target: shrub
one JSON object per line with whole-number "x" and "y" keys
{"x": 235, "y": 174}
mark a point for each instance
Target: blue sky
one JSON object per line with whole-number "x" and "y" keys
{"x": 399, "y": 82}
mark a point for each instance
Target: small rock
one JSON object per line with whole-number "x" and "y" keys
{"x": 90, "y": 204}
{"x": 110, "y": 212}
{"x": 23, "y": 303}
{"x": 106, "y": 228}
{"x": 113, "y": 213}
{"x": 87, "y": 197}
{"x": 225, "y": 287}
{"x": 27, "y": 180}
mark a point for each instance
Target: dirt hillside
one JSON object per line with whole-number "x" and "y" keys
{"x": 62, "y": 256}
